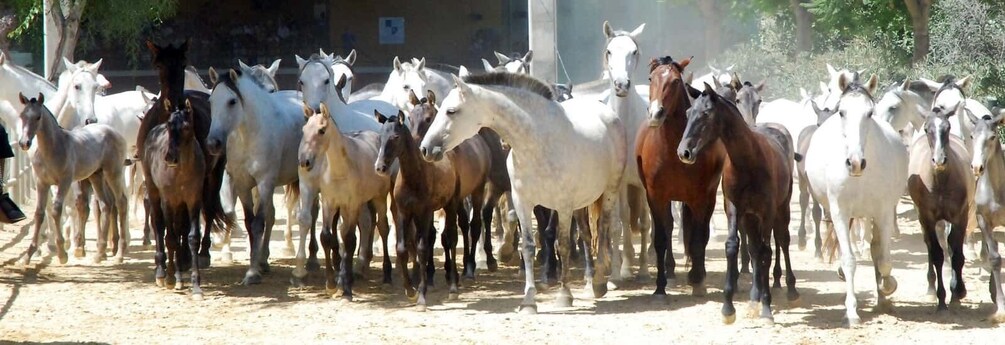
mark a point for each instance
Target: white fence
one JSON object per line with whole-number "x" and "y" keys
{"x": 19, "y": 179}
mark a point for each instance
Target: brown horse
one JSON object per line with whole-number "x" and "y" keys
{"x": 170, "y": 62}
{"x": 178, "y": 165}
{"x": 757, "y": 186}
{"x": 423, "y": 187}
{"x": 666, "y": 178}
{"x": 942, "y": 188}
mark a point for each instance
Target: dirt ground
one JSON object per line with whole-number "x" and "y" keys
{"x": 107, "y": 303}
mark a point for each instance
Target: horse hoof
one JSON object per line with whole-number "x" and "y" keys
{"x": 333, "y": 292}
{"x": 527, "y": 309}
{"x": 931, "y": 296}
{"x": 793, "y": 297}
{"x": 420, "y": 308}
{"x": 160, "y": 282}
{"x": 453, "y": 296}
{"x": 998, "y": 318}
{"x": 96, "y": 259}
{"x": 889, "y": 286}
{"x": 767, "y": 321}
{"x": 79, "y": 253}
{"x": 347, "y": 298}
{"x": 753, "y": 310}
{"x": 414, "y": 297}
{"x": 698, "y": 290}
{"x": 118, "y": 260}
{"x": 178, "y": 285}
{"x": 492, "y": 265}
{"x": 802, "y": 244}
{"x": 313, "y": 265}
{"x": 563, "y": 300}
{"x": 728, "y": 319}
{"x": 252, "y": 279}
{"x": 204, "y": 261}
{"x": 643, "y": 278}
{"x": 265, "y": 267}
{"x": 197, "y": 296}
{"x": 63, "y": 258}
{"x": 884, "y": 307}
{"x": 853, "y": 322}
{"x": 297, "y": 282}
{"x": 599, "y": 290}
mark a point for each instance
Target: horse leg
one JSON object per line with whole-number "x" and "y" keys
{"x": 305, "y": 219}
{"x": 841, "y": 223}
{"x": 288, "y": 250}
{"x": 57, "y": 217}
{"x": 42, "y": 197}
{"x": 228, "y": 201}
{"x": 402, "y": 249}
{"x": 524, "y": 212}
{"x": 380, "y": 206}
{"x": 155, "y": 216}
{"x": 329, "y": 246}
{"x": 115, "y": 189}
{"x": 194, "y": 238}
{"x": 886, "y": 285}
{"x": 564, "y": 298}
{"x": 760, "y": 236}
{"x": 476, "y": 225}
{"x": 267, "y": 211}
{"x": 639, "y": 220}
{"x": 546, "y": 231}
{"x": 456, "y": 218}
{"x": 347, "y": 230}
{"x": 994, "y": 261}
{"x": 105, "y": 208}
{"x": 624, "y": 267}
{"x": 82, "y": 205}
{"x": 607, "y": 205}
{"x": 696, "y": 219}
{"x": 956, "y": 239}
{"x": 490, "y": 208}
{"x": 581, "y": 218}
{"x": 365, "y": 222}
{"x": 254, "y": 274}
{"x": 424, "y": 225}
{"x": 732, "y": 272}
{"x": 783, "y": 239}
{"x": 744, "y": 256}
{"x": 817, "y": 213}
{"x": 662, "y": 232}
{"x": 313, "y": 265}
{"x": 935, "y": 260}
{"x": 508, "y": 229}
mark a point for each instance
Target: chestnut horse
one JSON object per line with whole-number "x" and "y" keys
{"x": 667, "y": 179}
{"x": 757, "y": 186}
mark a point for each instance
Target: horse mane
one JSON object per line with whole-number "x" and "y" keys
{"x": 948, "y": 83}
{"x": 663, "y": 61}
{"x": 226, "y": 80}
{"x": 259, "y": 71}
{"x": 339, "y": 60}
{"x": 518, "y": 81}
{"x": 857, "y": 87}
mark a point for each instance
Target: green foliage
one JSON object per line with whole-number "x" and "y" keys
{"x": 968, "y": 38}
{"x": 837, "y": 22}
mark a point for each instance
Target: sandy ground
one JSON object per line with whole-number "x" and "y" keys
{"x": 83, "y": 302}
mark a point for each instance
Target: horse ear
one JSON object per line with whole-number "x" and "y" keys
{"x": 3, "y": 58}
{"x": 421, "y": 65}
{"x": 816, "y": 108}
{"x": 397, "y": 64}
{"x": 380, "y": 117}
{"x": 638, "y": 31}
{"x": 97, "y": 65}
{"x": 932, "y": 85}
{"x": 906, "y": 85}
{"x": 431, "y": 96}
{"x": 461, "y": 85}
{"x": 167, "y": 105}
{"x": 234, "y": 74}
{"x": 872, "y": 84}
{"x": 412, "y": 98}
{"x": 69, "y": 66}
{"x": 503, "y": 59}
{"x": 213, "y": 76}
{"x": 487, "y": 66}
{"x": 400, "y": 118}
{"x": 300, "y": 62}
{"x": 608, "y": 31}
{"x": 761, "y": 86}
{"x": 188, "y": 106}
{"x": 804, "y": 94}
{"x": 690, "y": 78}
{"x": 685, "y": 62}
{"x": 843, "y": 82}
{"x": 22, "y": 98}
{"x": 692, "y": 93}
{"x": 823, "y": 88}
{"x": 341, "y": 82}
{"x": 243, "y": 65}
{"x": 715, "y": 80}
{"x": 103, "y": 83}
{"x": 274, "y": 67}
{"x": 351, "y": 58}
{"x": 830, "y": 70}
{"x": 730, "y": 68}
{"x": 715, "y": 71}
{"x": 324, "y": 110}
{"x": 308, "y": 111}
{"x": 530, "y": 55}
{"x": 965, "y": 82}
{"x": 463, "y": 71}
{"x": 708, "y": 88}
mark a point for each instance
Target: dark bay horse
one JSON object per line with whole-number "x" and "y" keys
{"x": 757, "y": 186}
{"x": 666, "y": 178}
{"x": 170, "y": 62}
{"x": 178, "y": 165}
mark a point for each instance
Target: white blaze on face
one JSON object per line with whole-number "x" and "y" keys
{"x": 654, "y": 109}
{"x": 622, "y": 56}
{"x": 938, "y": 152}
{"x": 855, "y": 110}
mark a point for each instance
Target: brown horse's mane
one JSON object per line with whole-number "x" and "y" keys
{"x": 518, "y": 81}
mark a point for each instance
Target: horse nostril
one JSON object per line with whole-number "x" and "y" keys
{"x": 422, "y": 150}
{"x": 863, "y": 164}
{"x": 687, "y": 154}
{"x": 847, "y": 162}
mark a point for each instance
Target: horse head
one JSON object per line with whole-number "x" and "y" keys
{"x": 226, "y": 102}
{"x": 985, "y": 143}
{"x": 170, "y": 62}
{"x": 621, "y": 56}
{"x": 342, "y": 67}
{"x": 748, "y": 99}
{"x": 316, "y": 81}
{"x": 511, "y": 64}
{"x": 406, "y": 76}
{"x": 30, "y": 117}
{"x": 667, "y": 91}
{"x": 84, "y": 86}
{"x": 856, "y": 108}
{"x": 263, "y": 76}
{"x": 393, "y": 138}
{"x": 703, "y": 124}
{"x": 950, "y": 95}
{"x": 180, "y": 131}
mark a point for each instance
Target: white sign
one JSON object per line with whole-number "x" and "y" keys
{"x": 391, "y": 29}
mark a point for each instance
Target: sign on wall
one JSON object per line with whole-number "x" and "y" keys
{"x": 391, "y": 30}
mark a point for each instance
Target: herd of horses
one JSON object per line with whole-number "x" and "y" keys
{"x": 592, "y": 166}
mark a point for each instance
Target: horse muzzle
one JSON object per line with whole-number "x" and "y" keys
{"x": 171, "y": 160}
{"x": 24, "y": 144}
{"x": 214, "y": 146}
{"x": 686, "y": 156}
{"x": 855, "y": 166}
{"x": 306, "y": 164}
{"x": 621, "y": 88}
{"x": 978, "y": 170}
{"x": 432, "y": 155}
{"x": 380, "y": 168}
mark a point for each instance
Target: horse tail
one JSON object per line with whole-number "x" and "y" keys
{"x": 212, "y": 207}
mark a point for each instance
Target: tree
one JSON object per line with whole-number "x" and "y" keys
{"x": 921, "y": 13}
{"x": 804, "y": 24}
{"x": 113, "y": 20}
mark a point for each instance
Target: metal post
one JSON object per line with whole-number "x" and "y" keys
{"x": 543, "y": 39}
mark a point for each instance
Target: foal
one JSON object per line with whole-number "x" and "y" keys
{"x": 943, "y": 191}
{"x": 757, "y": 186}
{"x": 988, "y": 165}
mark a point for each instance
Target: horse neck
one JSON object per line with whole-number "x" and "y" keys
{"x": 335, "y": 151}
{"x": 413, "y": 169}
{"x": 49, "y": 136}
{"x": 18, "y": 79}
{"x": 994, "y": 174}
{"x": 673, "y": 126}
{"x": 623, "y": 105}
{"x": 173, "y": 86}
{"x": 515, "y": 125}
{"x": 738, "y": 139}
{"x": 258, "y": 104}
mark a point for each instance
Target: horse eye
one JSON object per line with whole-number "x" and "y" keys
{"x": 232, "y": 102}
{"x": 406, "y": 87}
{"x": 451, "y": 111}
{"x": 300, "y": 82}
{"x": 328, "y": 81}
{"x": 427, "y": 120}
{"x": 77, "y": 86}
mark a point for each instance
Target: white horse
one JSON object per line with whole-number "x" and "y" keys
{"x": 514, "y": 64}
{"x": 988, "y": 165}
{"x": 17, "y": 79}
{"x": 407, "y": 76}
{"x": 551, "y": 143}
{"x": 261, "y": 133}
{"x": 620, "y": 59}
{"x": 266, "y": 76}
{"x": 836, "y": 165}
{"x": 831, "y": 91}
{"x": 715, "y": 75}
{"x": 193, "y": 81}
{"x": 342, "y": 66}
{"x": 320, "y": 84}
{"x": 950, "y": 98}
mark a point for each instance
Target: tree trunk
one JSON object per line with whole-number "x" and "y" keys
{"x": 712, "y": 16}
{"x": 804, "y": 25}
{"x": 920, "y": 11}
{"x": 66, "y": 14}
